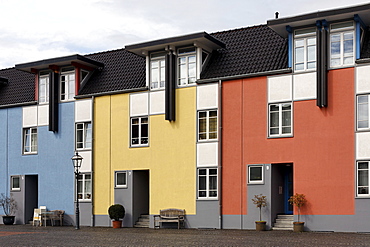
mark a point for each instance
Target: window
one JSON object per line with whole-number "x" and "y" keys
{"x": 280, "y": 122}
{"x": 43, "y": 88}
{"x": 84, "y": 186}
{"x": 15, "y": 183}
{"x": 255, "y": 174}
{"x": 157, "y": 71}
{"x": 342, "y": 44}
{"x": 121, "y": 180}
{"x": 207, "y": 183}
{"x": 30, "y": 140}
{"x": 139, "y": 131}
{"x": 305, "y": 49}
{"x": 207, "y": 125}
{"x": 67, "y": 85}
{"x": 363, "y": 178}
{"x": 187, "y": 66}
{"x": 363, "y": 112}
{"x": 83, "y": 135}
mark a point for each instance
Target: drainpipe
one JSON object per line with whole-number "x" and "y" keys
{"x": 92, "y": 163}
{"x": 219, "y": 119}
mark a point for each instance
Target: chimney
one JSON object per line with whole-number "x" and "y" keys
{"x": 276, "y": 15}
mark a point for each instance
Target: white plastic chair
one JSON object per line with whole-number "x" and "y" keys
{"x": 43, "y": 214}
{"x": 36, "y": 217}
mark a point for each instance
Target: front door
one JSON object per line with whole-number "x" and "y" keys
{"x": 288, "y": 188}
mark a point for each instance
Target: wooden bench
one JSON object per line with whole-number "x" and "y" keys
{"x": 170, "y": 215}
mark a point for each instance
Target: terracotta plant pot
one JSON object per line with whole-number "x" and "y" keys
{"x": 298, "y": 226}
{"x": 8, "y": 220}
{"x": 117, "y": 223}
{"x": 260, "y": 225}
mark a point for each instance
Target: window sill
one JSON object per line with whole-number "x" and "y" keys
{"x": 342, "y": 67}
{"x": 275, "y": 137}
{"x": 207, "y": 199}
{"x": 146, "y": 146}
{"x": 121, "y": 187}
{"x": 363, "y": 197}
{"x": 256, "y": 183}
{"x": 15, "y": 190}
{"x": 205, "y": 141}
{"x": 25, "y": 154}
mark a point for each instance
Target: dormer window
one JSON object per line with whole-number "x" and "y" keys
{"x": 187, "y": 69}
{"x": 157, "y": 71}
{"x": 67, "y": 84}
{"x": 305, "y": 49}
{"x": 43, "y": 87}
{"x": 342, "y": 44}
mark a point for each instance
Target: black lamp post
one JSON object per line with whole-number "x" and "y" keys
{"x": 77, "y": 161}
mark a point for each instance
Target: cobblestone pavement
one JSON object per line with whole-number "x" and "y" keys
{"x": 26, "y": 235}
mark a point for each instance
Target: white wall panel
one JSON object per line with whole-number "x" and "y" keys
{"x": 207, "y": 154}
{"x": 362, "y": 145}
{"x": 29, "y": 116}
{"x": 207, "y": 96}
{"x": 304, "y": 86}
{"x": 43, "y": 115}
{"x": 363, "y": 79}
{"x": 157, "y": 102}
{"x": 280, "y": 88}
{"x": 139, "y": 104}
{"x": 86, "y": 162}
{"x": 83, "y": 110}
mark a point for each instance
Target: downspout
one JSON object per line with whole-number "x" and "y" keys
{"x": 7, "y": 151}
{"x": 220, "y": 152}
{"x": 92, "y": 163}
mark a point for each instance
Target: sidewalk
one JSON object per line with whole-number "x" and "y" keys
{"x": 26, "y": 235}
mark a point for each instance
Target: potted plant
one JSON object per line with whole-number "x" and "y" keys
{"x": 260, "y": 201}
{"x": 9, "y": 206}
{"x": 116, "y": 213}
{"x": 299, "y": 200}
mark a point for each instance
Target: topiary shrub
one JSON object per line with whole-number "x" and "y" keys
{"x": 116, "y": 212}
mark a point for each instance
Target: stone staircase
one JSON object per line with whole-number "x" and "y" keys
{"x": 143, "y": 221}
{"x": 284, "y": 222}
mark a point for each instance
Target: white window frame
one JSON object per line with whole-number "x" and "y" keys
{"x": 116, "y": 185}
{"x": 280, "y": 126}
{"x": 86, "y": 135}
{"x": 207, "y": 190}
{"x": 189, "y": 59}
{"x": 366, "y": 170}
{"x": 30, "y": 141}
{"x": 365, "y": 111}
{"x": 207, "y": 132}
{"x": 341, "y": 31}
{"x": 160, "y": 71}
{"x": 140, "y": 137}
{"x": 306, "y": 36}
{"x": 43, "y": 93}
{"x": 12, "y": 187}
{"x": 259, "y": 181}
{"x": 67, "y": 86}
{"x": 84, "y": 195}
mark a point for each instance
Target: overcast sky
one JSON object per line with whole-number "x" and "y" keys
{"x": 31, "y": 30}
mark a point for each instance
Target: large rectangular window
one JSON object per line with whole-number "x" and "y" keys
{"x": 342, "y": 44}
{"x": 139, "y": 131}
{"x": 43, "y": 89}
{"x": 83, "y": 135}
{"x": 363, "y": 112}
{"x": 186, "y": 66}
{"x": 84, "y": 186}
{"x": 363, "y": 178}
{"x": 280, "y": 119}
{"x": 305, "y": 49}
{"x": 30, "y": 140}
{"x": 207, "y": 183}
{"x": 157, "y": 71}
{"x": 67, "y": 85}
{"x": 15, "y": 183}
{"x": 121, "y": 180}
{"x": 207, "y": 125}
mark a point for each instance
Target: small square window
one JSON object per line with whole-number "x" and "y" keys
{"x": 121, "y": 180}
{"x": 15, "y": 183}
{"x": 255, "y": 174}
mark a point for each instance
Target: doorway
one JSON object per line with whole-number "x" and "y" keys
{"x": 281, "y": 189}
{"x": 31, "y": 197}
{"x": 288, "y": 188}
{"x": 140, "y": 194}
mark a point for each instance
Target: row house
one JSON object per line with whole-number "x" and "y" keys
{"x": 201, "y": 122}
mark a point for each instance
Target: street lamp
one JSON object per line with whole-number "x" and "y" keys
{"x": 77, "y": 161}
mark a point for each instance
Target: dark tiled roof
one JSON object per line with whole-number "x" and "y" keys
{"x": 19, "y": 89}
{"x": 248, "y": 50}
{"x": 122, "y": 70}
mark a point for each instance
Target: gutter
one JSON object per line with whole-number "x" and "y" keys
{"x": 233, "y": 77}
{"x": 18, "y": 104}
{"x": 112, "y": 92}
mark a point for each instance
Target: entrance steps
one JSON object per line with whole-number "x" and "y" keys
{"x": 284, "y": 222}
{"x": 143, "y": 221}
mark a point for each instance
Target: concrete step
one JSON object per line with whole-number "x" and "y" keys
{"x": 283, "y": 222}
{"x": 143, "y": 222}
